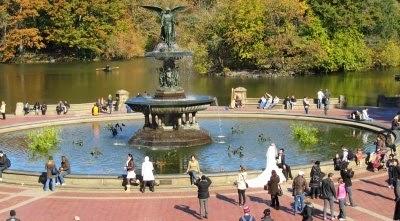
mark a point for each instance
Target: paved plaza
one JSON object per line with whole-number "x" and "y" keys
{"x": 374, "y": 202}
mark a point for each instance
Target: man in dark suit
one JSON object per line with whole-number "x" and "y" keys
{"x": 281, "y": 163}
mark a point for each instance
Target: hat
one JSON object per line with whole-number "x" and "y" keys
{"x": 246, "y": 209}
{"x": 301, "y": 173}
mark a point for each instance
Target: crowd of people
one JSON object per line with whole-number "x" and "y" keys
{"x": 268, "y": 101}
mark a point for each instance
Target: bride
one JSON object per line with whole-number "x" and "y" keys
{"x": 264, "y": 177}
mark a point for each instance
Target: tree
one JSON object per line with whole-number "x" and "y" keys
{"x": 18, "y": 24}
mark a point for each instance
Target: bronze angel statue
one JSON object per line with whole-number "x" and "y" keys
{"x": 167, "y": 16}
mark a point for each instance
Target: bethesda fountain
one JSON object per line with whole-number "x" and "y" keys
{"x": 170, "y": 115}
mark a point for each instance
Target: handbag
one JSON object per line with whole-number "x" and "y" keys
{"x": 247, "y": 185}
{"x": 280, "y": 192}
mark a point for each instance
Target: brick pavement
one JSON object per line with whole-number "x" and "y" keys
{"x": 374, "y": 202}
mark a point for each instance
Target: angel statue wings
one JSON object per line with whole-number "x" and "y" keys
{"x": 167, "y": 16}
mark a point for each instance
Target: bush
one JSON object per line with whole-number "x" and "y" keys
{"x": 305, "y": 134}
{"x": 43, "y": 141}
{"x": 389, "y": 56}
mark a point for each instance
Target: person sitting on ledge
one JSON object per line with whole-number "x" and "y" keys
{"x": 64, "y": 170}
{"x": 193, "y": 169}
{"x": 286, "y": 103}
{"x": 43, "y": 108}
{"x": 26, "y": 108}
{"x": 262, "y": 102}
{"x": 292, "y": 102}
{"x": 275, "y": 101}
{"x": 365, "y": 116}
{"x": 396, "y": 123}
{"x": 238, "y": 102}
{"x": 95, "y": 110}
{"x": 355, "y": 115}
{"x": 269, "y": 101}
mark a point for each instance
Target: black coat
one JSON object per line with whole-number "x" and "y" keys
{"x": 328, "y": 189}
{"x": 396, "y": 215}
{"x": 315, "y": 176}
{"x": 396, "y": 172}
{"x": 202, "y": 188}
{"x": 346, "y": 176}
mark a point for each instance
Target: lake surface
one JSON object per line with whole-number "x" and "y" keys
{"x": 214, "y": 157}
{"x": 79, "y": 82}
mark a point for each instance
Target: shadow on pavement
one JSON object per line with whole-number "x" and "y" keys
{"x": 225, "y": 198}
{"x": 187, "y": 210}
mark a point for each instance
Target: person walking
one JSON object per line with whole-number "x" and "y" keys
{"x": 326, "y": 102}
{"x": 64, "y": 170}
{"x": 51, "y": 174}
{"x": 306, "y": 104}
{"x": 242, "y": 185}
{"x": 130, "y": 172}
{"x": 193, "y": 169}
{"x": 320, "y": 95}
{"x": 246, "y": 215}
{"x": 315, "y": 182}
{"x": 389, "y": 166}
{"x": 347, "y": 174}
{"x": 203, "y": 194}
{"x": 147, "y": 174}
{"x": 341, "y": 196}
{"x": 329, "y": 195}
{"x": 274, "y": 189}
{"x": 299, "y": 187}
{"x": 13, "y": 215}
{"x": 307, "y": 212}
{"x": 3, "y": 109}
{"x": 267, "y": 215}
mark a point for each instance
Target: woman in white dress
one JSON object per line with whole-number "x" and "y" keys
{"x": 148, "y": 176}
{"x": 264, "y": 177}
{"x": 130, "y": 172}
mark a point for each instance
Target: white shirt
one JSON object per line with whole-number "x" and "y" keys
{"x": 3, "y": 108}
{"x": 320, "y": 95}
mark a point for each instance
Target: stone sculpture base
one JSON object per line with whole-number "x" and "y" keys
{"x": 169, "y": 94}
{"x": 161, "y": 139}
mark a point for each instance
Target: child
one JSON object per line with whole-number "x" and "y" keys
{"x": 359, "y": 156}
{"x": 341, "y": 196}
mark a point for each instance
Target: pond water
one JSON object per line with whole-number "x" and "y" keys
{"x": 214, "y": 157}
{"x": 79, "y": 82}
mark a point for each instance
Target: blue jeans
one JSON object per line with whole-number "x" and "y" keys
{"x": 60, "y": 176}
{"x": 50, "y": 181}
{"x": 298, "y": 203}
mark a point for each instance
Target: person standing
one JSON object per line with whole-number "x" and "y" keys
{"x": 306, "y": 104}
{"x": 203, "y": 194}
{"x": 299, "y": 187}
{"x": 315, "y": 182}
{"x": 281, "y": 163}
{"x": 130, "y": 171}
{"x": 246, "y": 215}
{"x": 43, "y": 108}
{"x": 64, "y": 170}
{"x": 329, "y": 195}
{"x": 326, "y": 102}
{"x": 320, "y": 95}
{"x": 347, "y": 174}
{"x": 341, "y": 196}
{"x": 147, "y": 174}
{"x": 110, "y": 103}
{"x": 4, "y": 164}
{"x": 242, "y": 185}
{"x": 51, "y": 174}
{"x": 193, "y": 169}
{"x": 3, "y": 109}
{"x": 274, "y": 189}
{"x": 396, "y": 179}
{"x": 13, "y": 215}
{"x": 307, "y": 212}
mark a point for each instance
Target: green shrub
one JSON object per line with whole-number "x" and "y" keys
{"x": 305, "y": 134}
{"x": 389, "y": 56}
{"x": 43, "y": 141}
